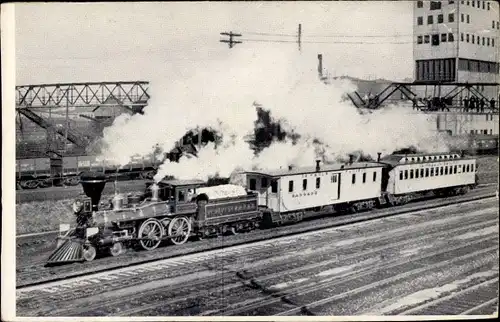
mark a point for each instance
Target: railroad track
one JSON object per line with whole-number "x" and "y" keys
{"x": 194, "y": 277}
{"x": 475, "y": 299}
{"x": 34, "y": 274}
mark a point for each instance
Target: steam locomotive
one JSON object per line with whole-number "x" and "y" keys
{"x": 177, "y": 210}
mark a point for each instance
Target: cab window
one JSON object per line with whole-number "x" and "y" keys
{"x": 304, "y": 184}
{"x": 180, "y": 195}
{"x": 290, "y": 186}
{"x": 364, "y": 177}
{"x": 263, "y": 182}
{"x": 253, "y": 184}
{"x": 318, "y": 183}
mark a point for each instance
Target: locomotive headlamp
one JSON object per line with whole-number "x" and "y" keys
{"x": 77, "y": 206}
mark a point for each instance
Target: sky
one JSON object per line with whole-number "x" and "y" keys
{"x": 82, "y": 42}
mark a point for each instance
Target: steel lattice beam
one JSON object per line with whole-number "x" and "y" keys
{"x": 100, "y": 94}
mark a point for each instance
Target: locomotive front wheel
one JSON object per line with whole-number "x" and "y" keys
{"x": 89, "y": 252}
{"x": 150, "y": 234}
{"x": 180, "y": 227}
{"x": 116, "y": 249}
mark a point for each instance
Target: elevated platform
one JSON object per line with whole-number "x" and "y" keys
{"x": 446, "y": 101}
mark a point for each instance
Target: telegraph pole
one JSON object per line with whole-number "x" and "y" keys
{"x": 231, "y": 42}
{"x": 299, "y": 36}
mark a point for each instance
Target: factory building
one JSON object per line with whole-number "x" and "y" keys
{"x": 456, "y": 41}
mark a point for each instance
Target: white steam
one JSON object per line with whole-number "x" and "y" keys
{"x": 221, "y": 94}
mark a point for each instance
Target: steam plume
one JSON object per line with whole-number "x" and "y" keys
{"x": 221, "y": 96}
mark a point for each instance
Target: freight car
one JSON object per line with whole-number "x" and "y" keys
{"x": 176, "y": 210}
{"x": 58, "y": 171}
{"x": 474, "y": 143}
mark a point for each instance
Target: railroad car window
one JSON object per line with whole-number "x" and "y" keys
{"x": 253, "y": 184}
{"x": 432, "y": 172}
{"x": 180, "y": 196}
{"x": 318, "y": 183}
{"x": 374, "y": 176}
{"x": 446, "y": 170}
{"x": 441, "y": 171}
{"x": 422, "y": 173}
{"x": 334, "y": 178}
{"x": 400, "y": 175}
{"x": 274, "y": 186}
{"x": 364, "y": 177}
{"x": 353, "y": 178}
{"x": 263, "y": 182}
{"x": 454, "y": 169}
{"x": 427, "y": 172}
{"x": 467, "y": 168}
{"x": 290, "y": 186}
{"x": 416, "y": 173}
{"x": 411, "y": 174}
{"x": 406, "y": 174}
{"x": 304, "y": 184}
{"x": 472, "y": 168}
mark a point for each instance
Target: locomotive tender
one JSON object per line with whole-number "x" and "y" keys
{"x": 175, "y": 210}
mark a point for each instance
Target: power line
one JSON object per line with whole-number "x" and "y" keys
{"x": 328, "y": 42}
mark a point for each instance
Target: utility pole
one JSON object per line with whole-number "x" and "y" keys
{"x": 231, "y": 41}
{"x": 299, "y": 36}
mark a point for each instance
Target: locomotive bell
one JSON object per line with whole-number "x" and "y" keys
{"x": 93, "y": 184}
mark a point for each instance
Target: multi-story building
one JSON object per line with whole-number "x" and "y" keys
{"x": 457, "y": 41}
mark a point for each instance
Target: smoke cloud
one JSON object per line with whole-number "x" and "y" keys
{"x": 222, "y": 95}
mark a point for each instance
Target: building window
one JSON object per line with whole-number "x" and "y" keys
{"x": 483, "y": 41}
{"x": 304, "y": 184}
{"x": 430, "y": 20}
{"x": 290, "y": 186}
{"x": 375, "y": 175}
{"x": 443, "y": 37}
{"x": 451, "y": 2}
{"x": 462, "y": 17}
{"x": 487, "y": 41}
{"x": 488, "y": 6}
{"x": 484, "y": 5}
{"x": 440, "y": 18}
{"x": 353, "y": 178}
{"x": 468, "y": 19}
{"x": 419, "y": 40}
{"x": 473, "y": 4}
{"x": 467, "y": 37}
{"x": 468, "y": 3}
{"x": 492, "y": 42}
{"x": 493, "y": 24}
{"x": 491, "y": 131}
{"x": 420, "y": 4}
{"x": 435, "y": 5}
{"x": 253, "y": 184}
{"x": 462, "y": 36}
{"x": 451, "y": 38}
{"x": 426, "y": 39}
{"x": 472, "y": 38}
{"x": 498, "y": 25}
{"x": 451, "y": 17}
{"x": 420, "y": 21}
{"x": 435, "y": 40}
{"x": 318, "y": 183}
